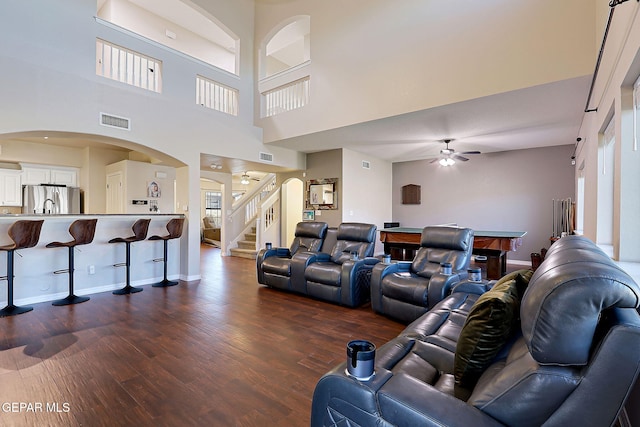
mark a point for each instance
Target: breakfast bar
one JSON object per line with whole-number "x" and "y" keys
{"x": 402, "y": 242}
{"x": 96, "y": 263}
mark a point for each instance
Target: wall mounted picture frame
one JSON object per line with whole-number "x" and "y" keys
{"x": 322, "y": 194}
{"x": 153, "y": 190}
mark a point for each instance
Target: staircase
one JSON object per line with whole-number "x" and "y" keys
{"x": 255, "y": 219}
{"x": 246, "y": 247}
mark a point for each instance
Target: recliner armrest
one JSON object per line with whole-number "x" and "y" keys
{"x": 262, "y": 255}
{"x": 352, "y": 294}
{"x": 440, "y": 286}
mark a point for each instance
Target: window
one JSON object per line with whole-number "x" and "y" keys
{"x": 213, "y": 206}
{"x": 636, "y": 114}
{"x": 214, "y": 95}
{"x": 126, "y": 66}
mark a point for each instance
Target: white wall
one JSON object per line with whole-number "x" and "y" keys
{"x": 366, "y": 192}
{"x": 380, "y": 58}
{"x": 137, "y": 177}
{"x": 507, "y": 191}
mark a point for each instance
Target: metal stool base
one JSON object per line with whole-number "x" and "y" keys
{"x": 127, "y": 290}
{"x": 13, "y": 310}
{"x": 165, "y": 283}
{"x": 71, "y": 299}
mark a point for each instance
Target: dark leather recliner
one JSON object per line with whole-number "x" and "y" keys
{"x": 335, "y": 276}
{"x": 274, "y": 265}
{"x": 571, "y": 362}
{"x": 405, "y": 291}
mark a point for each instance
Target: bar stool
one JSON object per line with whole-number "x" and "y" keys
{"x": 25, "y": 234}
{"x": 140, "y": 228}
{"x": 82, "y": 231}
{"x": 174, "y": 227}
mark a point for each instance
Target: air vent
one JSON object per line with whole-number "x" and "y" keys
{"x": 366, "y": 164}
{"x": 115, "y": 121}
{"x": 266, "y": 157}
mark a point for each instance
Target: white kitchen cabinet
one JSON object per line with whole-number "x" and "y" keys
{"x": 42, "y": 174}
{"x": 10, "y": 187}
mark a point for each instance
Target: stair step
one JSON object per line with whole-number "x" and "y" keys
{"x": 247, "y": 244}
{"x": 250, "y": 237}
{"x": 244, "y": 253}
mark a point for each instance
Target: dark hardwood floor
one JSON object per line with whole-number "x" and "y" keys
{"x": 222, "y": 352}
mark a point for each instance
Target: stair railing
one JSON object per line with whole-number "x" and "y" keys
{"x": 268, "y": 220}
{"x": 244, "y": 212}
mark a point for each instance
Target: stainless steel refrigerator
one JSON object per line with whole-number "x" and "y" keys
{"x": 50, "y": 199}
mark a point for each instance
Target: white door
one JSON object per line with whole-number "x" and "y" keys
{"x": 115, "y": 194}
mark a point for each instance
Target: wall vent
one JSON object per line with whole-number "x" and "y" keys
{"x": 366, "y": 164}
{"x": 266, "y": 157}
{"x": 115, "y": 121}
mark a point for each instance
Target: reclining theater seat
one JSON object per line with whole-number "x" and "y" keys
{"x": 405, "y": 291}
{"x": 572, "y": 360}
{"x": 334, "y": 276}
{"x": 274, "y": 265}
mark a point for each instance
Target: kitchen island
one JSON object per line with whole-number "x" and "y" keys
{"x": 94, "y": 263}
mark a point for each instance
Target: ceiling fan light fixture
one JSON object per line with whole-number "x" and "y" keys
{"x": 244, "y": 180}
{"x": 447, "y": 162}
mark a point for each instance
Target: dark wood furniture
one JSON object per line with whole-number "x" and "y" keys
{"x": 411, "y": 194}
{"x": 402, "y": 242}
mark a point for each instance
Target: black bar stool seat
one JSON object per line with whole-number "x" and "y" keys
{"x": 140, "y": 229}
{"x": 174, "y": 227}
{"x": 82, "y": 231}
{"x": 25, "y": 234}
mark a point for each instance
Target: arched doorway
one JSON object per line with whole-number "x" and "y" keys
{"x": 292, "y": 206}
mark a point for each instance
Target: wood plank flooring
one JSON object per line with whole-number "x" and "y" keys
{"x": 222, "y": 352}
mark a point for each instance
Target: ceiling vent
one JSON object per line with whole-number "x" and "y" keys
{"x": 115, "y": 121}
{"x": 366, "y": 164}
{"x": 266, "y": 157}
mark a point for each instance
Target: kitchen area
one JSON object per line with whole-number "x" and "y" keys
{"x": 116, "y": 194}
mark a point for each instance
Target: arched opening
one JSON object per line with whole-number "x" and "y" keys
{"x": 292, "y": 205}
{"x": 179, "y": 25}
{"x": 287, "y": 46}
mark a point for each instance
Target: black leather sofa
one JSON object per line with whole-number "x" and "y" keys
{"x": 570, "y": 359}
{"x": 405, "y": 291}
{"x": 339, "y": 271}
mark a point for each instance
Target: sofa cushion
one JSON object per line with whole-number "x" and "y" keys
{"x": 491, "y": 322}
{"x": 405, "y": 287}
{"x": 326, "y": 273}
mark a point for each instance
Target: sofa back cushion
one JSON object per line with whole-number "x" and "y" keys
{"x": 492, "y": 321}
{"x": 443, "y": 244}
{"x": 309, "y": 236}
{"x": 353, "y": 237}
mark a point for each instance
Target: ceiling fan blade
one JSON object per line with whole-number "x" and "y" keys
{"x": 434, "y": 160}
{"x": 459, "y": 157}
{"x": 471, "y": 152}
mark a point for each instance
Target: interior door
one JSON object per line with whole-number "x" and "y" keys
{"x": 115, "y": 194}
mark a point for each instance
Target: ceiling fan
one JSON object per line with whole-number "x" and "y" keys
{"x": 448, "y": 156}
{"x": 245, "y": 179}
